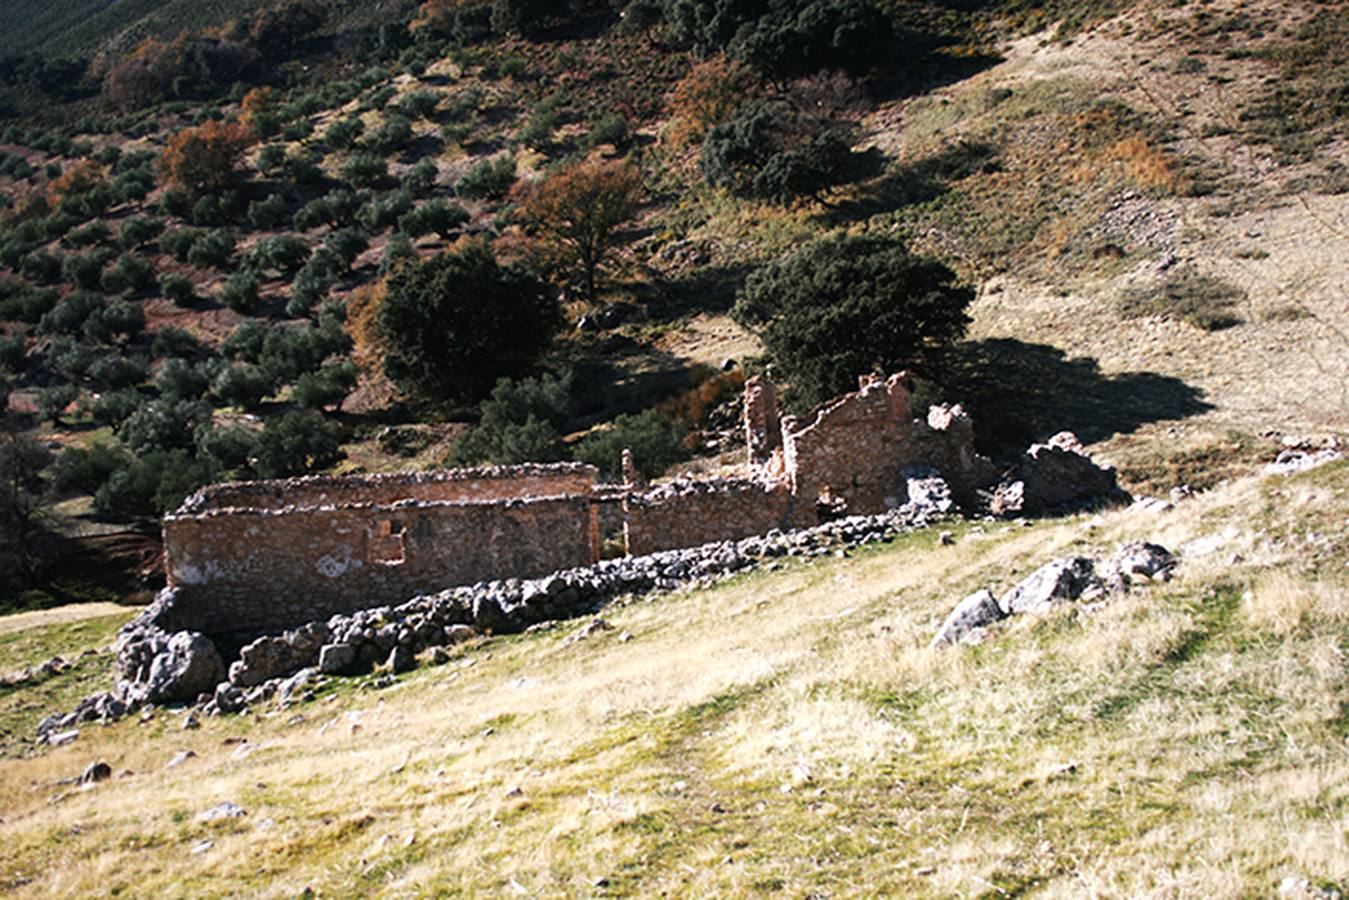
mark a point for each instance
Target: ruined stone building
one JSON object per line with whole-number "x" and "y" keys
{"x": 267, "y": 555}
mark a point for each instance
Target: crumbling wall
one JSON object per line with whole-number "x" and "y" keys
{"x": 852, "y": 451}
{"x": 446, "y": 486}
{"x": 692, "y": 513}
{"x": 260, "y": 570}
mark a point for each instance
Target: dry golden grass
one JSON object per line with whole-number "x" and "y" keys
{"x": 788, "y": 732}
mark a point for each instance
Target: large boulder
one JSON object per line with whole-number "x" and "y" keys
{"x": 187, "y": 666}
{"x": 1053, "y": 583}
{"x": 1138, "y": 561}
{"x": 1050, "y": 476}
{"x": 978, "y": 610}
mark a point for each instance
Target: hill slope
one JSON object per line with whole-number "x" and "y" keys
{"x": 787, "y": 732}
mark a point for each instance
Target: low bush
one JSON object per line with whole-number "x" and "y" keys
{"x": 656, "y": 443}
{"x": 1201, "y": 300}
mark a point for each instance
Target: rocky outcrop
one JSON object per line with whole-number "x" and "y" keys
{"x": 1064, "y": 580}
{"x": 1053, "y": 476}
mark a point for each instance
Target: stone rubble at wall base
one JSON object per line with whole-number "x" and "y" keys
{"x": 442, "y": 619}
{"x": 862, "y": 453}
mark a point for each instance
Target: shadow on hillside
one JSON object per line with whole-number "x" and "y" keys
{"x": 910, "y": 184}
{"x": 1019, "y": 393}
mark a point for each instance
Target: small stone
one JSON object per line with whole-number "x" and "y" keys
{"x": 226, "y": 810}
{"x": 201, "y": 847}
{"x": 180, "y": 758}
{"x": 99, "y": 771}
{"x": 191, "y": 722}
{"x": 61, "y": 738}
{"x": 946, "y": 538}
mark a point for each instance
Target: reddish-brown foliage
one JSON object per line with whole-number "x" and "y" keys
{"x": 706, "y": 97}
{"x": 201, "y": 160}
{"x": 578, "y": 212}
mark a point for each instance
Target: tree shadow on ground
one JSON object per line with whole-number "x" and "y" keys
{"x": 1019, "y": 393}
{"x": 913, "y": 183}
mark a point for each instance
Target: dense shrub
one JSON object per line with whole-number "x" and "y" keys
{"x": 139, "y": 230}
{"x": 86, "y": 270}
{"x": 178, "y": 242}
{"x": 284, "y": 253}
{"x": 69, "y": 315}
{"x": 228, "y": 449}
{"x": 297, "y": 443}
{"x": 343, "y": 133}
{"x": 117, "y": 372}
{"x": 244, "y": 386}
{"x": 112, "y": 408}
{"x": 163, "y": 424}
{"x": 214, "y": 249}
{"x": 117, "y": 322}
{"x": 766, "y": 151}
{"x": 419, "y": 104}
{"x": 456, "y": 323}
{"x": 174, "y": 341}
{"x": 86, "y": 469}
{"x": 392, "y": 136}
{"x": 441, "y": 216}
{"x": 86, "y": 236}
{"x": 240, "y": 293}
{"x": 132, "y": 273}
{"x": 382, "y": 213}
{"x": 269, "y": 214}
{"x": 41, "y": 267}
{"x": 786, "y": 38}
{"x": 846, "y": 306}
{"x": 420, "y": 178}
{"x": 153, "y": 483}
{"x": 520, "y": 422}
{"x": 656, "y": 443}
{"x": 181, "y": 380}
{"x": 53, "y": 401}
{"x": 13, "y": 349}
{"x": 328, "y": 386}
{"x": 488, "y": 179}
{"x": 365, "y": 169}
{"x": 178, "y": 288}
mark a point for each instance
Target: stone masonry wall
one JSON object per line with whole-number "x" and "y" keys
{"x": 692, "y": 513}
{"x": 452, "y": 485}
{"x": 258, "y": 570}
{"x": 854, "y": 449}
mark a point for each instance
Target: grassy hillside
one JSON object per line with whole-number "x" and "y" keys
{"x": 78, "y": 27}
{"x": 787, "y": 733}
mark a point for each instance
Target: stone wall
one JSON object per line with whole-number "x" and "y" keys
{"x": 692, "y": 513}
{"x": 257, "y": 570}
{"x": 450, "y": 485}
{"x": 851, "y": 453}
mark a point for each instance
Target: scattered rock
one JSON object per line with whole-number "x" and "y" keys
{"x": 1053, "y": 583}
{"x": 978, "y": 610}
{"x": 335, "y": 659}
{"x": 180, "y": 758}
{"x": 191, "y": 722}
{"x": 401, "y": 660}
{"x": 99, "y": 771}
{"x": 61, "y": 738}
{"x": 1052, "y": 476}
{"x": 226, "y": 810}
{"x": 187, "y": 665}
{"x": 1062, "y": 580}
